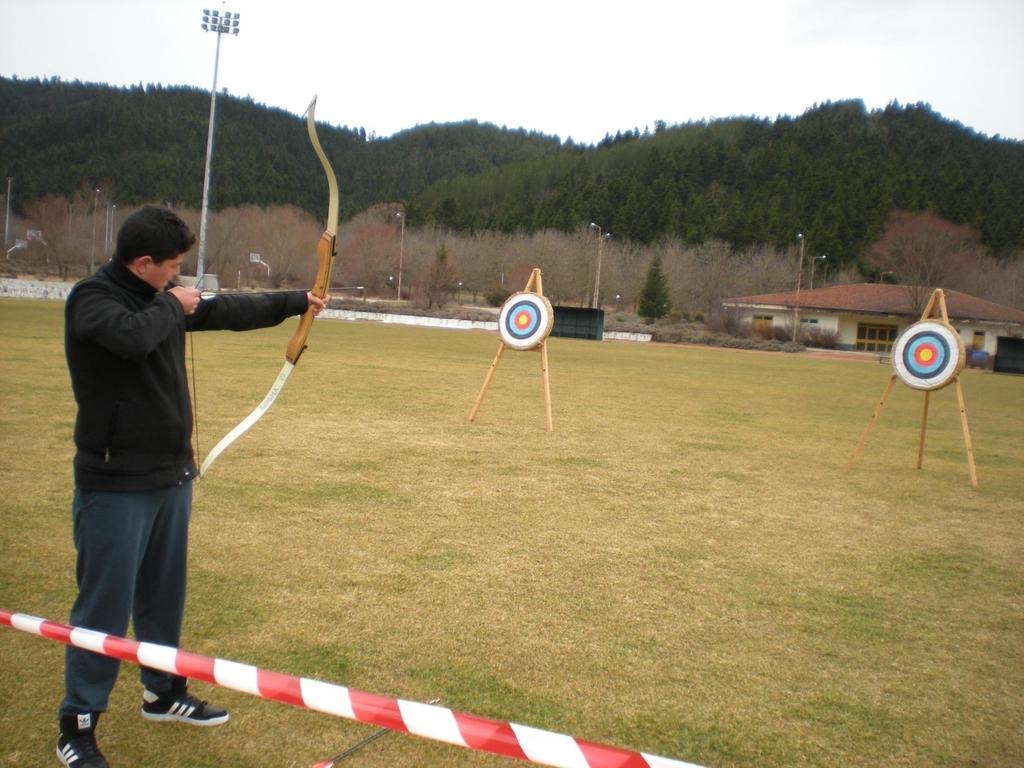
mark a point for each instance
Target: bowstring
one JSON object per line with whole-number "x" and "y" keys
{"x": 194, "y": 393}
{"x": 194, "y": 396}
{"x": 191, "y": 343}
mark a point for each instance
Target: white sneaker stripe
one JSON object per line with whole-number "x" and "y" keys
{"x": 182, "y": 710}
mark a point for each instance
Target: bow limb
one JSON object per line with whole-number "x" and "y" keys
{"x": 325, "y": 252}
{"x": 325, "y": 249}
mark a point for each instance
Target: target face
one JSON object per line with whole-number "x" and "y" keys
{"x": 928, "y": 355}
{"x": 525, "y": 320}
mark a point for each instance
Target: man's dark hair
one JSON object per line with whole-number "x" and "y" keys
{"x": 154, "y": 232}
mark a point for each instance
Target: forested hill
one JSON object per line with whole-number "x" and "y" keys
{"x": 834, "y": 173}
{"x": 148, "y": 143}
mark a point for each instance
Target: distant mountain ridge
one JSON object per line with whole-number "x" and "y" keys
{"x": 148, "y": 143}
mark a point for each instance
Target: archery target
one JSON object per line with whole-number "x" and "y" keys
{"x": 525, "y": 320}
{"x": 928, "y": 355}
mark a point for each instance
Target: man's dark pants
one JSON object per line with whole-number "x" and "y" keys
{"x": 132, "y": 563}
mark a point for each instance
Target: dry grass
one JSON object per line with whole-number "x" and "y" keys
{"x": 684, "y": 566}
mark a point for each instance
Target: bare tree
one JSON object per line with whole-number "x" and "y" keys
{"x": 627, "y": 263}
{"x": 708, "y": 276}
{"x": 285, "y": 238}
{"x": 226, "y": 234}
{"x": 923, "y": 252}
{"x": 564, "y": 263}
{"x": 765, "y": 270}
{"x": 481, "y": 256}
{"x": 47, "y": 251}
{"x": 1003, "y": 281}
{"x": 290, "y": 236}
{"x": 368, "y": 249}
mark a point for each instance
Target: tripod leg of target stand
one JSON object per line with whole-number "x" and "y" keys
{"x": 967, "y": 434}
{"x": 547, "y": 384}
{"x": 871, "y": 422}
{"x": 487, "y": 381}
{"x": 924, "y": 426}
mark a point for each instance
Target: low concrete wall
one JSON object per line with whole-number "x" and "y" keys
{"x": 623, "y": 336}
{"x": 39, "y": 289}
{"x": 34, "y": 289}
{"x": 430, "y": 322}
{"x": 449, "y": 322}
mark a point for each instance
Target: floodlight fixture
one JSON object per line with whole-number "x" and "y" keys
{"x": 212, "y": 22}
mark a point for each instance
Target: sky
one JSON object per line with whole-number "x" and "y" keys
{"x": 572, "y": 68}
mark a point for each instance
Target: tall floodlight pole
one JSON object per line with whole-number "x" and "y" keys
{"x": 601, "y": 237}
{"x": 227, "y": 23}
{"x": 401, "y": 253}
{"x": 799, "y": 276}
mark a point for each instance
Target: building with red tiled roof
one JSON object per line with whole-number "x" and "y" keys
{"x": 870, "y": 316}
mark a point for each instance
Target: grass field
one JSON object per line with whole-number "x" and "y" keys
{"x": 684, "y": 566}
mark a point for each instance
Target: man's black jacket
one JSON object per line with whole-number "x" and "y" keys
{"x": 125, "y": 346}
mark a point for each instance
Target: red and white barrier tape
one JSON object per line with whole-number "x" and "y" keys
{"x": 426, "y": 720}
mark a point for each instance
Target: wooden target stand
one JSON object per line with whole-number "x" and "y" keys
{"x": 538, "y": 311}
{"x": 935, "y": 327}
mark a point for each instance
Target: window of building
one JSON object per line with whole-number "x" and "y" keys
{"x": 875, "y": 338}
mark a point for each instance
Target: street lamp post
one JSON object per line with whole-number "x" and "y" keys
{"x": 7, "y": 217}
{"x": 401, "y": 254}
{"x": 799, "y": 279}
{"x": 92, "y": 245}
{"x": 227, "y": 23}
{"x": 813, "y": 265}
{"x": 108, "y": 232}
{"x": 601, "y": 237}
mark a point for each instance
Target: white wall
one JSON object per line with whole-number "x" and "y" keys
{"x": 34, "y": 289}
{"x": 38, "y": 289}
{"x": 845, "y": 325}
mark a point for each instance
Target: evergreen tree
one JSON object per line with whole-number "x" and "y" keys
{"x": 654, "y": 300}
{"x": 440, "y": 280}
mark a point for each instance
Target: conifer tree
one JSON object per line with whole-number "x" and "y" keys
{"x": 654, "y": 299}
{"x": 440, "y": 279}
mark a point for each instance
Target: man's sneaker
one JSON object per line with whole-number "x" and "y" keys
{"x": 182, "y": 708}
{"x": 76, "y": 744}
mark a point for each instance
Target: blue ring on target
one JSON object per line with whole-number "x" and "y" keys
{"x": 928, "y": 355}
